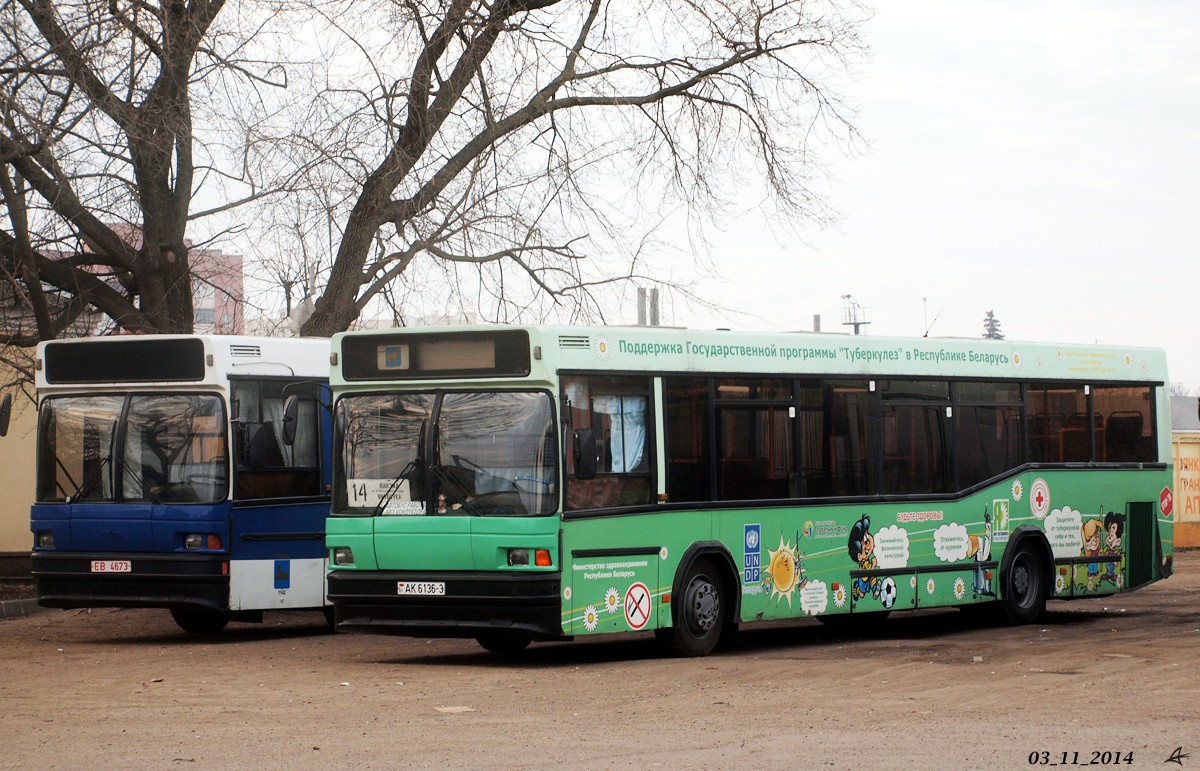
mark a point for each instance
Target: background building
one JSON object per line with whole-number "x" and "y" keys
{"x": 1185, "y": 435}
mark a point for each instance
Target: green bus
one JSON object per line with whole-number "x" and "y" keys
{"x": 512, "y": 484}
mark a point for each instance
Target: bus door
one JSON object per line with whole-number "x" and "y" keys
{"x": 280, "y": 501}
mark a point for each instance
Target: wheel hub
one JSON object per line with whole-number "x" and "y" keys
{"x": 705, "y": 606}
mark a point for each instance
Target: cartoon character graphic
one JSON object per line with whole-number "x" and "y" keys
{"x": 1091, "y": 548}
{"x": 1114, "y": 526}
{"x": 861, "y": 546}
{"x": 979, "y": 548}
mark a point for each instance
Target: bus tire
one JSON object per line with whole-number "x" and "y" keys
{"x": 702, "y": 610}
{"x": 200, "y": 620}
{"x": 504, "y": 643}
{"x": 1025, "y": 585}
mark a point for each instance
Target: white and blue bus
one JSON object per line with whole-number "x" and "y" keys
{"x": 163, "y": 480}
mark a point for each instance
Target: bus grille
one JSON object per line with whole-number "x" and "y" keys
{"x": 574, "y": 341}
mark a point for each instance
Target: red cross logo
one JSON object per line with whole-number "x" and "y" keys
{"x": 1039, "y": 498}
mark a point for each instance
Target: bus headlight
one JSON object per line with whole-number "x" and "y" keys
{"x": 343, "y": 555}
{"x": 520, "y": 557}
{"x": 210, "y": 541}
{"x": 45, "y": 539}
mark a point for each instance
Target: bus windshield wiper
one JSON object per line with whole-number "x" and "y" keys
{"x": 393, "y": 487}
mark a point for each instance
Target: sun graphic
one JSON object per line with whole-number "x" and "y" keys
{"x": 1018, "y": 490}
{"x": 591, "y": 617}
{"x": 783, "y": 572}
{"x": 839, "y": 595}
{"x": 930, "y": 586}
{"x": 960, "y": 589}
{"x": 612, "y": 600}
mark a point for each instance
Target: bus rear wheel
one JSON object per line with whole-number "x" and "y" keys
{"x": 701, "y": 616}
{"x": 504, "y": 643}
{"x": 200, "y": 620}
{"x": 1025, "y": 586}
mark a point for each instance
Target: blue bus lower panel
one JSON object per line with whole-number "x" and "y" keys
{"x": 474, "y": 604}
{"x": 152, "y": 581}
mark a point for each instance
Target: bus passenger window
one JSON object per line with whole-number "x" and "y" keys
{"x": 1125, "y": 424}
{"x": 616, "y": 409}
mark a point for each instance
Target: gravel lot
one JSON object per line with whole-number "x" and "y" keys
{"x": 126, "y": 689}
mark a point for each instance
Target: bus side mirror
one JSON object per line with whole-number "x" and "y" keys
{"x": 5, "y": 413}
{"x": 291, "y": 406}
{"x": 585, "y": 453}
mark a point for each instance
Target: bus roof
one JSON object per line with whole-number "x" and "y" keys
{"x": 669, "y": 349}
{"x": 175, "y": 360}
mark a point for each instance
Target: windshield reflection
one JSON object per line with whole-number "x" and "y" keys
{"x": 173, "y": 449}
{"x": 488, "y": 454}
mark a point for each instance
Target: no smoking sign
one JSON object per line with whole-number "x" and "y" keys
{"x": 638, "y": 604}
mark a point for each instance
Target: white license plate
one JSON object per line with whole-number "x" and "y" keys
{"x": 421, "y": 587}
{"x": 111, "y": 566}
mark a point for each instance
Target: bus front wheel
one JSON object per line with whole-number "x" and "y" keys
{"x": 200, "y": 620}
{"x": 1025, "y": 586}
{"x": 701, "y": 616}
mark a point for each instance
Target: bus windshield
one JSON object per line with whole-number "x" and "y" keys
{"x": 470, "y": 453}
{"x": 172, "y": 449}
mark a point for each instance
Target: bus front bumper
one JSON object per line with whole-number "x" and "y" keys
{"x": 474, "y": 604}
{"x": 67, "y": 580}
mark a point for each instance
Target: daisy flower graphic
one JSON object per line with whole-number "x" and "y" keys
{"x": 1018, "y": 490}
{"x": 591, "y": 617}
{"x": 960, "y": 589}
{"x": 839, "y": 595}
{"x": 1060, "y": 584}
{"x": 612, "y": 600}
{"x": 930, "y": 586}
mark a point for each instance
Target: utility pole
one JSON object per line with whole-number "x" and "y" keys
{"x": 854, "y": 314}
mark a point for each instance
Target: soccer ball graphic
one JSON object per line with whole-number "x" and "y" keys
{"x": 887, "y": 592}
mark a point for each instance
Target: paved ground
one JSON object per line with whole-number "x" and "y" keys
{"x": 125, "y": 689}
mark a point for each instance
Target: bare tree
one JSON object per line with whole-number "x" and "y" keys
{"x": 1183, "y": 389}
{"x": 461, "y": 150}
{"x": 480, "y": 145}
{"x": 100, "y": 162}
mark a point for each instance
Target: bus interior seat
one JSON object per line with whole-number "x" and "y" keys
{"x": 1123, "y": 436}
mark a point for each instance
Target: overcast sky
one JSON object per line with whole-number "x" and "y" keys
{"x": 1041, "y": 159}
